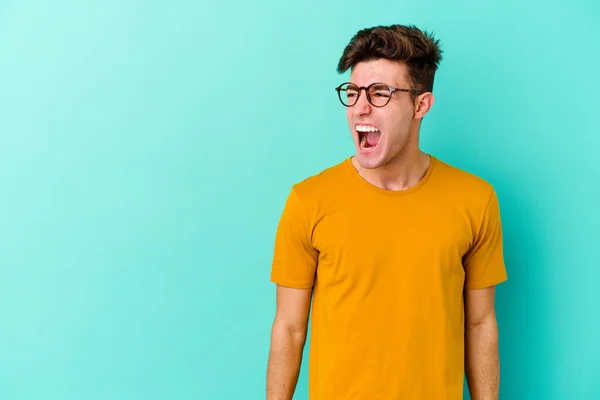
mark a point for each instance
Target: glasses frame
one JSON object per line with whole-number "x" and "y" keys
{"x": 392, "y": 89}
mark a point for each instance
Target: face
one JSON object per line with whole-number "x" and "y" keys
{"x": 383, "y": 134}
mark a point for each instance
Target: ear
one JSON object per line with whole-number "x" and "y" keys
{"x": 423, "y": 104}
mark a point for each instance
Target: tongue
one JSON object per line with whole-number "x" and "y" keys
{"x": 373, "y": 138}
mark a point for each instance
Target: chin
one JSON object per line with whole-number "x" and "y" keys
{"x": 369, "y": 161}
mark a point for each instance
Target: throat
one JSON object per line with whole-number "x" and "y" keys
{"x": 398, "y": 176}
{"x": 370, "y": 139}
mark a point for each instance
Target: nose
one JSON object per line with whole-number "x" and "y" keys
{"x": 362, "y": 106}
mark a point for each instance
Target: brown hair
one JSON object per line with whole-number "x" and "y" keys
{"x": 418, "y": 49}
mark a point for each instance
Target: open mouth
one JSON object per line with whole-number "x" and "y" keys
{"x": 368, "y": 136}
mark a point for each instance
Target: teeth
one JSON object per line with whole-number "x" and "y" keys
{"x": 366, "y": 128}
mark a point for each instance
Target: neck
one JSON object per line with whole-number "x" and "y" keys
{"x": 401, "y": 173}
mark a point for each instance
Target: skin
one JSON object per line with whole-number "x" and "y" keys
{"x": 482, "y": 363}
{"x": 397, "y": 163}
{"x": 288, "y": 337}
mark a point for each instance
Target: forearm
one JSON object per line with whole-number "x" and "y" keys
{"x": 482, "y": 364}
{"x": 285, "y": 357}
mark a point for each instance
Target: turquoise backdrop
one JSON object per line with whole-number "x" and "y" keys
{"x": 146, "y": 150}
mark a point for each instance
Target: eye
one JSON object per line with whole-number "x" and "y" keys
{"x": 351, "y": 93}
{"x": 381, "y": 94}
{"x": 380, "y": 91}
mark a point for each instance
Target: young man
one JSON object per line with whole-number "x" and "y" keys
{"x": 399, "y": 251}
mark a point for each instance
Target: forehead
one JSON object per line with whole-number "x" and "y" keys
{"x": 386, "y": 71}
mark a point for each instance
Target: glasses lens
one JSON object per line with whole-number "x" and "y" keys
{"x": 380, "y": 94}
{"x": 348, "y": 94}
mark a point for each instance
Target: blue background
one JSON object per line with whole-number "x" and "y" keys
{"x": 146, "y": 150}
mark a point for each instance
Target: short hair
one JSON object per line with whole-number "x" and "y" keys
{"x": 419, "y": 50}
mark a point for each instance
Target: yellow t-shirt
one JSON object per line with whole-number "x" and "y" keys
{"x": 388, "y": 270}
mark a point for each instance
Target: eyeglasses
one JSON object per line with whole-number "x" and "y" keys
{"x": 378, "y": 94}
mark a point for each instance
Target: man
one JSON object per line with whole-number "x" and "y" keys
{"x": 399, "y": 251}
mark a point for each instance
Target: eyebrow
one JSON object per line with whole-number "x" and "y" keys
{"x": 380, "y": 85}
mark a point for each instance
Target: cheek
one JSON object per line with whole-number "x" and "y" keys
{"x": 349, "y": 114}
{"x": 397, "y": 125}
{"x": 400, "y": 119}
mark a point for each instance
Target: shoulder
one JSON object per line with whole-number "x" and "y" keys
{"x": 463, "y": 189}
{"x": 322, "y": 183}
{"x": 462, "y": 182}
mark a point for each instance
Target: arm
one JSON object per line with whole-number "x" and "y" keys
{"x": 287, "y": 342}
{"x": 482, "y": 363}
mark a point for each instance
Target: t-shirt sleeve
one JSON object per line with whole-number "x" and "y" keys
{"x": 484, "y": 262}
{"x": 294, "y": 260}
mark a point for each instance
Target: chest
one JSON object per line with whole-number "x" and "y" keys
{"x": 392, "y": 241}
